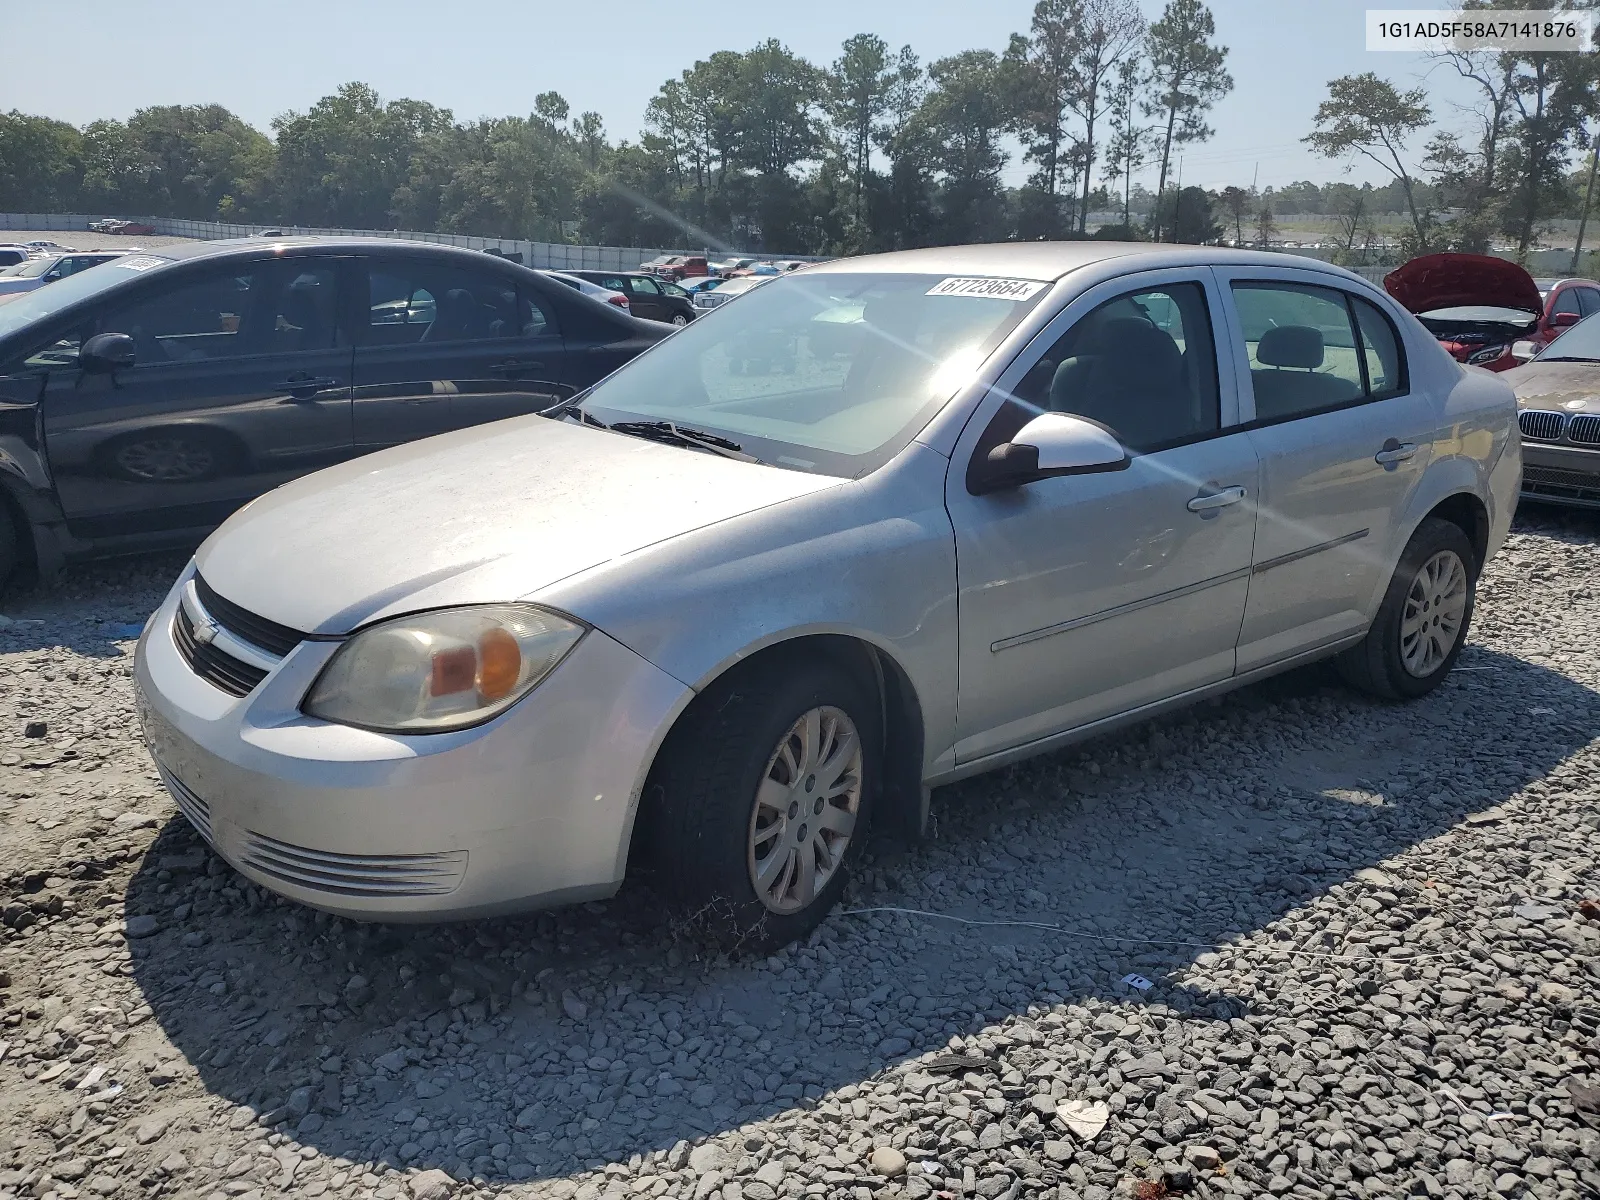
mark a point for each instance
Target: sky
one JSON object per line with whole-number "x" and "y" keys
{"x": 78, "y": 60}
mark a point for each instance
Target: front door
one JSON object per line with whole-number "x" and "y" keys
{"x": 1343, "y": 442}
{"x": 1090, "y": 595}
{"x": 443, "y": 347}
{"x": 241, "y": 381}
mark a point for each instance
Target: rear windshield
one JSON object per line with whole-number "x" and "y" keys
{"x": 831, "y": 373}
{"x": 43, "y": 302}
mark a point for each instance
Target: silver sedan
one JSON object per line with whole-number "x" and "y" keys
{"x": 885, "y": 523}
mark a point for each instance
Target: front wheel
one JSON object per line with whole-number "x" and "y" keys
{"x": 679, "y": 320}
{"x": 1422, "y": 623}
{"x": 761, "y": 800}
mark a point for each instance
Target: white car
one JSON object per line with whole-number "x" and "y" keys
{"x": 593, "y": 290}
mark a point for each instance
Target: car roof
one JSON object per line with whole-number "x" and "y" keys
{"x": 189, "y": 251}
{"x": 1054, "y": 260}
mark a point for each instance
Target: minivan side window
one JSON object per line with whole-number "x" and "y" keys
{"x": 1306, "y": 353}
{"x": 1142, "y": 364}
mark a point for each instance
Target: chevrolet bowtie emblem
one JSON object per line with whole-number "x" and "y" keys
{"x": 205, "y": 631}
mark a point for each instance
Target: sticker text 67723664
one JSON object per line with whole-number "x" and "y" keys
{"x": 994, "y": 289}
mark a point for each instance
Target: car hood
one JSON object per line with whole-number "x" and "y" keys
{"x": 488, "y": 514}
{"x": 1564, "y": 386}
{"x": 1437, "y": 281}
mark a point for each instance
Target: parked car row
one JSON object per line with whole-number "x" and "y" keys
{"x": 680, "y": 267}
{"x": 118, "y": 225}
{"x": 1545, "y": 335}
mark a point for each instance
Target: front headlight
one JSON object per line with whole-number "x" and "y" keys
{"x": 441, "y": 670}
{"x": 1487, "y": 354}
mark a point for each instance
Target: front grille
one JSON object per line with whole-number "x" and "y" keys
{"x": 258, "y": 631}
{"x": 1555, "y": 484}
{"x": 1541, "y": 426}
{"x": 1585, "y": 430}
{"x": 190, "y": 805}
{"x": 356, "y": 874}
{"x": 218, "y": 669}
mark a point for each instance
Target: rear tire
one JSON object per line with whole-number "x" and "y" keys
{"x": 760, "y": 802}
{"x": 1422, "y": 623}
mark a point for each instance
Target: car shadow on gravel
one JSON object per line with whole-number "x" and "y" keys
{"x": 533, "y": 1047}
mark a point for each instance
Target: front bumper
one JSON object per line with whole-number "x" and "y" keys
{"x": 532, "y": 809}
{"x": 1561, "y": 475}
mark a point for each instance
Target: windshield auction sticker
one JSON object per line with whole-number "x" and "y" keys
{"x": 993, "y": 289}
{"x": 1424, "y": 29}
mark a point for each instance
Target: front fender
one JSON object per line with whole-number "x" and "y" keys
{"x": 873, "y": 560}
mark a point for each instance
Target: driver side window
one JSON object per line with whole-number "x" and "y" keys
{"x": 1142, "y": 364}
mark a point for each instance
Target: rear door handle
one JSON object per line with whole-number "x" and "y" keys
{"x": 1394, "y": 451}
{"x": 1210, "y": 501}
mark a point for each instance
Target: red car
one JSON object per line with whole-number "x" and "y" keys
{"x": 1488, "y": 311}
{"x": 684, "y": 267}
{"x": 134, "y": 227}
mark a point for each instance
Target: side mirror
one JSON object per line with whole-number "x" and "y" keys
{"x": 106, "y": 352}
{"x": 1051, "y": 444}
{"x": 1523, "y": 351}
{"x": 1563, "y": 320}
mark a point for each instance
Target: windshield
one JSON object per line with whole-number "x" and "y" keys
{"x": 32, "y": 269}
{"x": 831, "y": 373}
{"x": 35, "y": 305}
{"x": 1582, "y": 341}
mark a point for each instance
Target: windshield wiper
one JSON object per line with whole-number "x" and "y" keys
{"x": 1568, "y": 358}
{"x": 668, "y": 431}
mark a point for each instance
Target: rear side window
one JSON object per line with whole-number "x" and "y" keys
{"x": 1313, "y": 349}
{"x": 426, "y": 303}
{"x": 1589, "y": 300}
{"x": 1380, "y": 350}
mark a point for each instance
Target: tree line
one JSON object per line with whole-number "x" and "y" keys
{"x": 877, "y": 150}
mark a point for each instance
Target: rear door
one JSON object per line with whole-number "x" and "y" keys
{"x": 646, "y": 298}
{"x": 1343, "y": 442}
{"x": 241, "y": 381}
{"x": 443, "y": 346}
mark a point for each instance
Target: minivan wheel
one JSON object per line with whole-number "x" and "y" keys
{"x": 1422, "y": 624}
{"x": 760, "y": 803}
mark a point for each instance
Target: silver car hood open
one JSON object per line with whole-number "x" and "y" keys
{"x": 493, "y": 513}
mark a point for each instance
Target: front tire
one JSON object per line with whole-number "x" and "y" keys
{"x": 679, "y": 320}
{"x": 760, "y": 803}
{"x": 1422, "y": 623}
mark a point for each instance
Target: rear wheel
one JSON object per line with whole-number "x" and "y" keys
{"x": 1422, "y": 624}
{"x": 761, "y": 800}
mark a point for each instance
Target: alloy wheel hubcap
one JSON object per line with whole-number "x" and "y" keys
{"x": 166, "y": 459}
{"x": 1435, "y": 608}
{"x": 805, "y": 810}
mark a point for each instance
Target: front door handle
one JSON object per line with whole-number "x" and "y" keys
{"x": 518, "y": 364}
{"x": 1213, "y": 499}
{"x": 304, "y": 386}
{"x": 1394, "y": 451}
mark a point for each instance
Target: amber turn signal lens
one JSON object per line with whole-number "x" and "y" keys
{"x": 499, "y": 664}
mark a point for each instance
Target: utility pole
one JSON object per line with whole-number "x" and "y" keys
{"x": 1177, "y": 201}
{"x": 1588, "y": 199}
{"x": 1255, "y": 177}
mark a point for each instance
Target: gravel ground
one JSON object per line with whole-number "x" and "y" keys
{"x": 1373, "y": 970}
